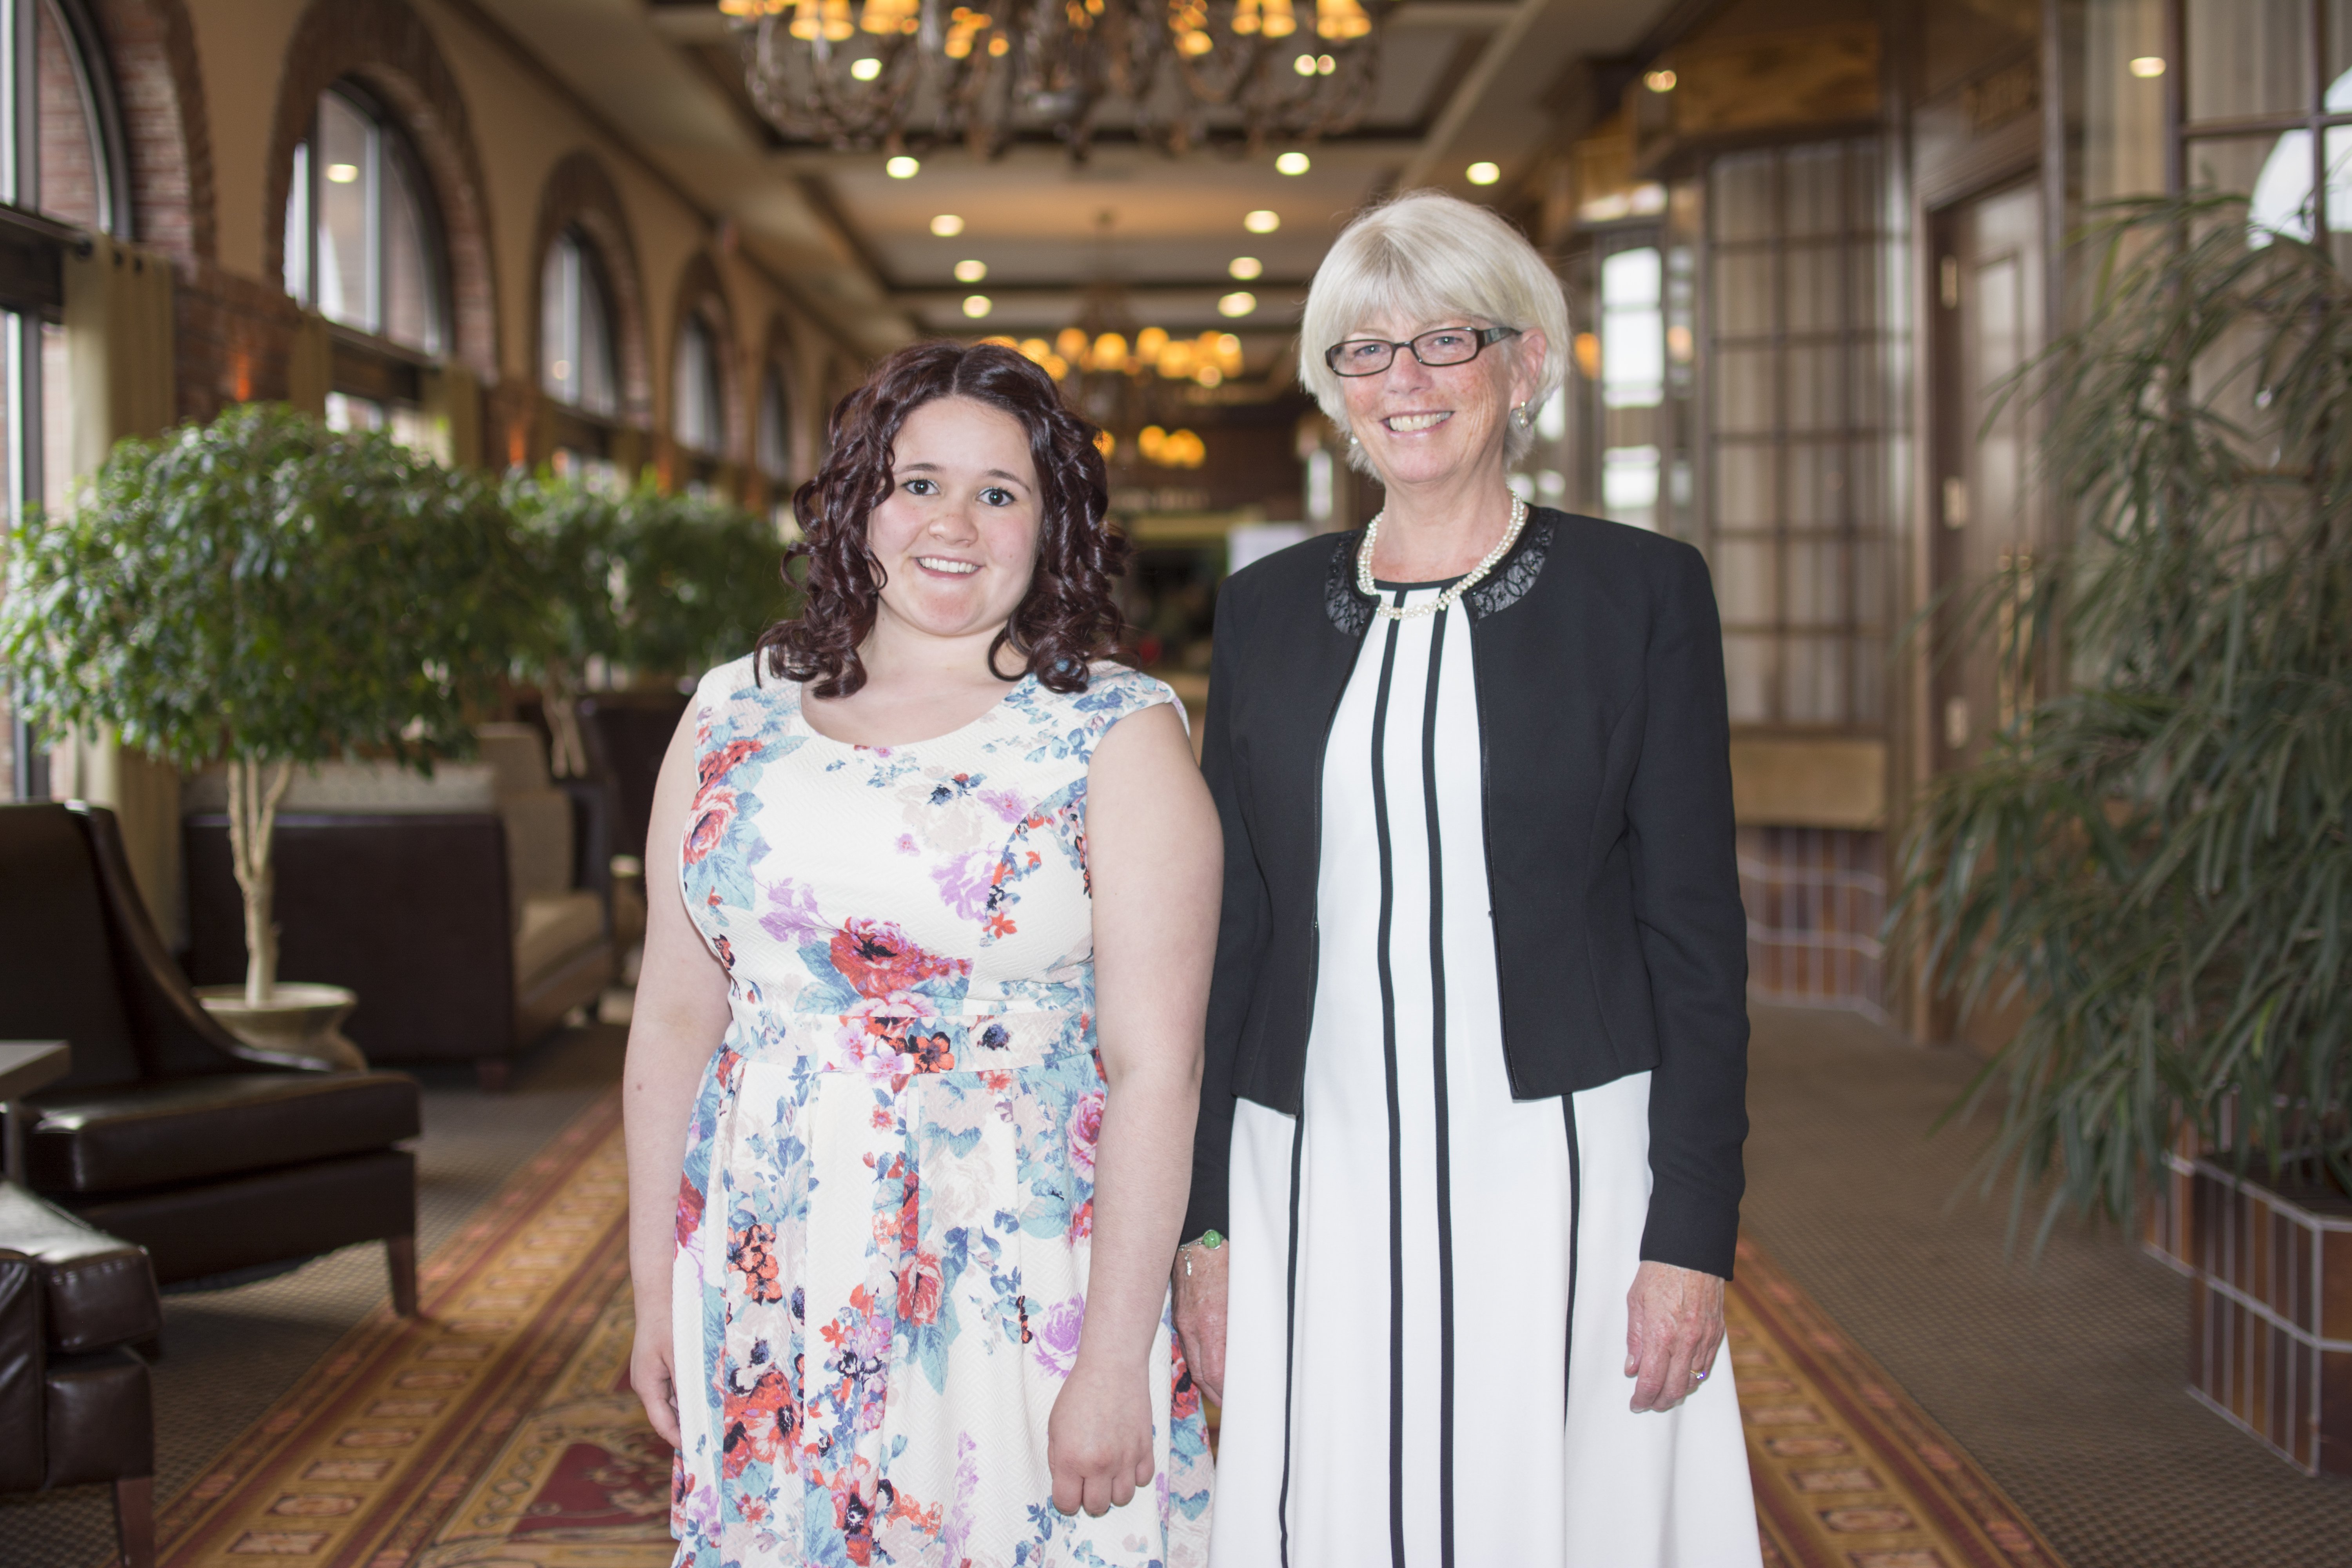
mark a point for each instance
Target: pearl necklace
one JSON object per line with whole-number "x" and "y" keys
{"x": 1451, "y": 596}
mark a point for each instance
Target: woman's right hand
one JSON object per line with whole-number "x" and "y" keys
{"x": 1201, "y": 1317}
{"x": 654, "y": 1376}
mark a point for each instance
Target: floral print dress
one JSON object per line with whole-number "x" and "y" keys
{"x": 884, "y": 1224}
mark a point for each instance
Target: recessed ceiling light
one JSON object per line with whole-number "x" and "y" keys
{"x": 1240, "y": 302}
{"x": 1483, "y": 174}
{"x": 865, "y": 68}
{"x": 947, "y": 226}
{"x": 1245, "y": 267}
{"x": 1292, "y": 164}
{"x": 978, "y": 305}
{"x": 342, "y": 174}
{"x": 2148, "y": 66}
{"x": 1262, "y": 222}
{"x": 901, "y": 167}
{"x": 970, "y": 271}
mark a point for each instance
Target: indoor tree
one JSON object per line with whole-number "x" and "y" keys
{"x": 659, "y": 585}
{"x": 2153, "y": 867}
{"x": 267, "y": 593}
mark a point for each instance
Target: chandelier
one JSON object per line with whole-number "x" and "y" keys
{"x": 917, "y": 74}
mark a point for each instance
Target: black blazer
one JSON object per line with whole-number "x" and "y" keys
{"x": 1618, "y": 928}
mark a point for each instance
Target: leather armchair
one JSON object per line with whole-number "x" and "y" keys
{"x": 170, "y": 1132}
{"x": 76, "y": 1407}
{"x": 627, "y": 733}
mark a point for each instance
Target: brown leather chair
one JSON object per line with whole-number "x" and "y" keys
{"x": 170, "y": 1132}
{"x": 627, "y": 734}
{"x": 76, "y": 1408}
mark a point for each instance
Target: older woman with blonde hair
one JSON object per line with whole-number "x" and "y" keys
{"x": 1467, "y": 1184}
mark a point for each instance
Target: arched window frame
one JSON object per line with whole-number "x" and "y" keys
{"x": 34, "y": 409}
{"x": 702, "y": 334}
{"x": 771, "y": 427}
{"x": 581, "y": 294}
{"x": 391, "y": 152}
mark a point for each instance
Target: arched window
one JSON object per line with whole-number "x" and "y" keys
{"x": 698, "y": 392}
{"x": 360, "y": 244}
{"x": 773, "y": 443}
{"x": 575, "y": 329}
{"x": 80, "y": 138}
{"x": 63, "y": 160}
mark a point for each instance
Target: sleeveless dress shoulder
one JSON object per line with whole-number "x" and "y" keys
{"x": 886, "y": 1215}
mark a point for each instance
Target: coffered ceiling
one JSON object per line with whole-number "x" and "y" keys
{"x": 1460, "y": 80}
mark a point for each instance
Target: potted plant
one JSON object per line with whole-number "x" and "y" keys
{"x": 2153, "y": 867}
{"x": 267, "y": 593}
{"x": 701, "y": 579}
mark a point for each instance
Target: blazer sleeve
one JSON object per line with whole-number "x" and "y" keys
{"x": 1241, "y": 927}
{"x": 1692, "y": 928}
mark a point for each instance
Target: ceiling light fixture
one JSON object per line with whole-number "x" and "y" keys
{"x": 2147, "y": 67}
{"x": 978, "y": 305}
{"x": 342, "y": 174}
{"x": 970, "y": 271}
{"x": 1483, "y": 174}
{"x": 1240, "y": 302}
{"x": 902, "y": 167}
{"x": 1293, "y": 163}
{"x": 919, "y": 74}
{"x": 947, "y": 226}
{"x": 1245, "y": 267}
{"x": 1659, "y": 81}
{"x": 1262, "y": 221}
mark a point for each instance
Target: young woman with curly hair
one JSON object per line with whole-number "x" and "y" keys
{"x": 917, "y": 1039}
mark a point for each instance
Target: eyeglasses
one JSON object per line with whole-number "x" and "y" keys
{"x": 1445, "y": 345}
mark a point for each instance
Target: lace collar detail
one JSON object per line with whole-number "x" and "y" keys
{"x": 1511, "y": 581}
{"x": 1350, "y": 611}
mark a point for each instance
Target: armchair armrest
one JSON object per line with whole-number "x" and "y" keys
{"x": 179, "y": 1037}
{"x": 24, "y": 1439}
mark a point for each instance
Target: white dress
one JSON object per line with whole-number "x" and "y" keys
{"x": 1405, "y": 1384}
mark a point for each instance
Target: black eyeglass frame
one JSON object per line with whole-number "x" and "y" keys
{"x": 1486, "y": 338}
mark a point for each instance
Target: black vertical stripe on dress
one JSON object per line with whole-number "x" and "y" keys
{"x": 1575, "y": 1216}
{"x": 1389, "y": 1055}
{"x": 1290, "y": 1333}
{"x": 1444, "y": 1116}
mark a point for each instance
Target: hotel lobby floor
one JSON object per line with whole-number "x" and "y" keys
{"x": 229, "y": 1354}
{"x": 2060, "y": 1378}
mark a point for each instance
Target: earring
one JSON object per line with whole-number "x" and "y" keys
{"x": 1352, "y": 441}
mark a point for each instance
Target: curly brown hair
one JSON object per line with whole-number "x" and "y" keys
{"x": 1065, "y": 622}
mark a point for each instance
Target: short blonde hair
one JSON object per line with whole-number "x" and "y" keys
{"x": 1425, "y": 256}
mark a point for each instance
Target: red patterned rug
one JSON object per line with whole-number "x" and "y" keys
{"x": 497, "y": 1430}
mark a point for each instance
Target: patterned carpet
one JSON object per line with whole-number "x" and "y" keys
{"x": 497, "y": 1430}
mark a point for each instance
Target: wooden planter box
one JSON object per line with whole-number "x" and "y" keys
{"x": 2270, "y": 1304}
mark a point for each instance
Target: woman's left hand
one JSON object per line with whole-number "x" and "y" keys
{"x": 1674, "y": 1325}
{"x": 1098, "y": 1440}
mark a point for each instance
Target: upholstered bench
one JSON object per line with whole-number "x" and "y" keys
{"x": 451, "y": 904}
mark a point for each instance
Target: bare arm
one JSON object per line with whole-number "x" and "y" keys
{"x": 1153, "y": 849}
{"x": 681, "y": 1015}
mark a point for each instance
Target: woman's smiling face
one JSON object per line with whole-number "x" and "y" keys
{"x": 1420, "y": 424}
{"x": 957, "y": 538}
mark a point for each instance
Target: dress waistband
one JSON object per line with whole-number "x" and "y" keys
{"x": 903, "y": 1042}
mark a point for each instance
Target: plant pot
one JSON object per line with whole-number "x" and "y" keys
{"x": 2270, "y": 1304}
{"x": 299, "y": 1021}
